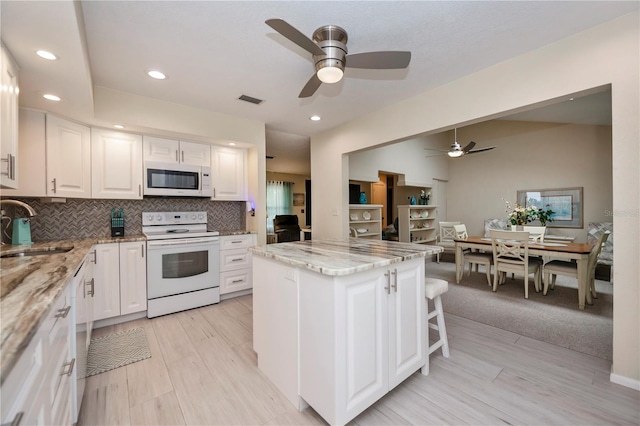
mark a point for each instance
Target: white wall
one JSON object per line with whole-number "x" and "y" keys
{"x": 606, "y": 54}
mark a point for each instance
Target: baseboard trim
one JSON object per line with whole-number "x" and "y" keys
{"x": 625, "y": 381}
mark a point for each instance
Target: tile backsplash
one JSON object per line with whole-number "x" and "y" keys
{"x": 81, "y": 218}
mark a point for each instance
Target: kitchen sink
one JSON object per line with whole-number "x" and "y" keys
{"x": 37, "y": 252}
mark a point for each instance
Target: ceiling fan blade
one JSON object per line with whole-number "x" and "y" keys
{"x": 311, "y": 87}
{"x": 436, "y": 149}
{"x": 295, "y": 36}
{"x": 480, "y": 150}
{"x": 469, "y": 147}
{"x": 379, "y": 60}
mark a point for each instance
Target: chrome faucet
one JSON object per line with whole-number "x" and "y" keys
{"x": 30, "y": 210}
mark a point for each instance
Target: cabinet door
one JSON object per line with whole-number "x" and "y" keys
{"x": 228, "y": 173}
{"x": 68, "y": 158}
{"x": 32, "y": 162}
{"x": 133, "y": 277}
{"x": 161, "y": 149}
{"x": 407, "y": 320}
{"x": 116, "y": 165}
{"x": 362, "y": 353}
{"x": 237, "y": 280}
{"x": 196, "y": 154}
{"x": 9, "y": 123}
{"x": 106, "y": 274}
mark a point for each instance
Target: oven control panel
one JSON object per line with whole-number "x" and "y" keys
{"x": 173, "y": 218}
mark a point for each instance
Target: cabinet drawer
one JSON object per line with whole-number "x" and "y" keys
{"x": 236, "y": 241}
{"x": 235, "y": 280}
{"x": 231, "y": 260}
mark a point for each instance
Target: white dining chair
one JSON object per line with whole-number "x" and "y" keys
{"x": 536, "y": 233}
{"x": 511, "y": 254}
{"x": 445, "y": 237}
{"x": 474, "y": 258}
{"x": 570, "y": 269}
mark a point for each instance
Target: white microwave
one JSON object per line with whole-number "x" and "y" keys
{"x": 176, "y": 180}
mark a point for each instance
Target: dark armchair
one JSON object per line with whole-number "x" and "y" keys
{"x": 286, "y": 228}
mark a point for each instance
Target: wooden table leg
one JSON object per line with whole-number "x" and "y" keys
{"x": 458, "y": 263}
{"x": 583, "y": 285}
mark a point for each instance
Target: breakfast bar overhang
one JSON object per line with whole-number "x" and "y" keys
{"x": 338, "y": 324}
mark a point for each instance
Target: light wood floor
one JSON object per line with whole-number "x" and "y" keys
{"x": 203, "y": 372}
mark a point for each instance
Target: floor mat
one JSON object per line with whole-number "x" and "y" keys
{"x": 116, "y": 350}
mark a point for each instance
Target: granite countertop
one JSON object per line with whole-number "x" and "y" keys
{"x": 344, "y": 257}
{"x": 30, "y": 284}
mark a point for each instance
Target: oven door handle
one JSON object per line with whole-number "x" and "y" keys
{"x": 190, "y": 241}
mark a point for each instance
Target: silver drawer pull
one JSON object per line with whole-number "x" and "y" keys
{"x": 395, "y": 280}
{"x": 237, "y": 259}
{"x": 236, "y": 281}
{"x": 236, "y": 242}
{"x": 16, "y": 420}
{"x": 62, "y": 313}
{"x": 387, "y": 287}
{"x": 69, "y": 364}
{"x": 92, "y": 284}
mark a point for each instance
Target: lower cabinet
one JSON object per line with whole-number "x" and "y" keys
{"x": 235, "y": 263}
{"x": 38, "y": 389}
{"x": 369, "y": 331}
{"x": 120, "y": 275}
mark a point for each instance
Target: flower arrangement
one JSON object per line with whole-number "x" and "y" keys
{"x": 519, "y": 215}
{"x": 424, "y": 196}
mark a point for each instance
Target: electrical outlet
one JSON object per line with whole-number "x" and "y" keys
{"x": 291, "y": 274}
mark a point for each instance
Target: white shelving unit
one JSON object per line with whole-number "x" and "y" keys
{"x": 367, "y": 217}
{"x": 417, "y": 224}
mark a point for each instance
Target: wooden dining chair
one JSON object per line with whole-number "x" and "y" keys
{"x": 536, "y": 233}
{"x": 474, "y": 258}
{"x": 570, "y": 269}
{"x": 511, "y": 254}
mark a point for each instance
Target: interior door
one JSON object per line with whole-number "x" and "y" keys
{"x": 379, "y": 196}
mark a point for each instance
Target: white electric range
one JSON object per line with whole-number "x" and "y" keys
{"x": 183, "y": 262}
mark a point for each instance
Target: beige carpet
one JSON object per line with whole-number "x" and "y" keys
{"x": 554, "y": 318}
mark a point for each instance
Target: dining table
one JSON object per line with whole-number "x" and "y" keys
{"x": 553, "y": 249}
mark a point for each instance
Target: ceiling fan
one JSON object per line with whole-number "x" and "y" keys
{"x": 328, "y": 45}
{"x": 456, "y": 150}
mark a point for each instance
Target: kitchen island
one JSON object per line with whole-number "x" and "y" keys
{"x": 338, "y": 324}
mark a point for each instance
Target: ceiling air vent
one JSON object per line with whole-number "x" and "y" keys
{"x": 250, "y": 99}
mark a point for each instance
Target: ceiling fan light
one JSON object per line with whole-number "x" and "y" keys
{"x": 455, "y": 154}
{"x": 330, "y": 74}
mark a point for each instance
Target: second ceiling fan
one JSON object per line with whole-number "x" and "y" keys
{"x": 328, "y": 46}
{"x": 456, "y": 150}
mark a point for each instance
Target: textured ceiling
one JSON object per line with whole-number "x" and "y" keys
{"x": 215, "y": 51}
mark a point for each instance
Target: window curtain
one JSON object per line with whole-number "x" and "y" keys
{"x": 279, "y": 201}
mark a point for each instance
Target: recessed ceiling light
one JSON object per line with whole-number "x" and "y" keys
{"x": 46, "y": 55}
{"x": 232, "y": 143}
{"x": 315, "y": 118}
{"x": 51, "y": 97}
{"x": 571, "y": 99}
{"x": 157, "y": 75}
{"x": 118, "y": 126}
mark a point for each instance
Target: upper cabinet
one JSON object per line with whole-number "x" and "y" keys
{"x": 173, "y": 151}
{"x": 68, "y": 158}
{"x": 228, "y": 173}
{"x": 116, "y": 165}
{"x": 9, "y": 124}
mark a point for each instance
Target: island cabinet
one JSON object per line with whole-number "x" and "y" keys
{"x": 337, "y": 325}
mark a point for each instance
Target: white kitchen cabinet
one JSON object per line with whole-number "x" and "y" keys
{"x": 375, "y": 336}
{"x": 228, "y": 173}
{"x": 133, "y": 277}
{"x": 32, "y": 161}
{"x": 339, "y": 343}
{"x": 120, "y": 275}
{"x": 116, "y": 165}
{"x": 38, "y": 388}
{"x": 235, "y": 263}
{"x": 9, "y": 124}
{"x": 68, "y": 158}
{"x": 173, "y": 151}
